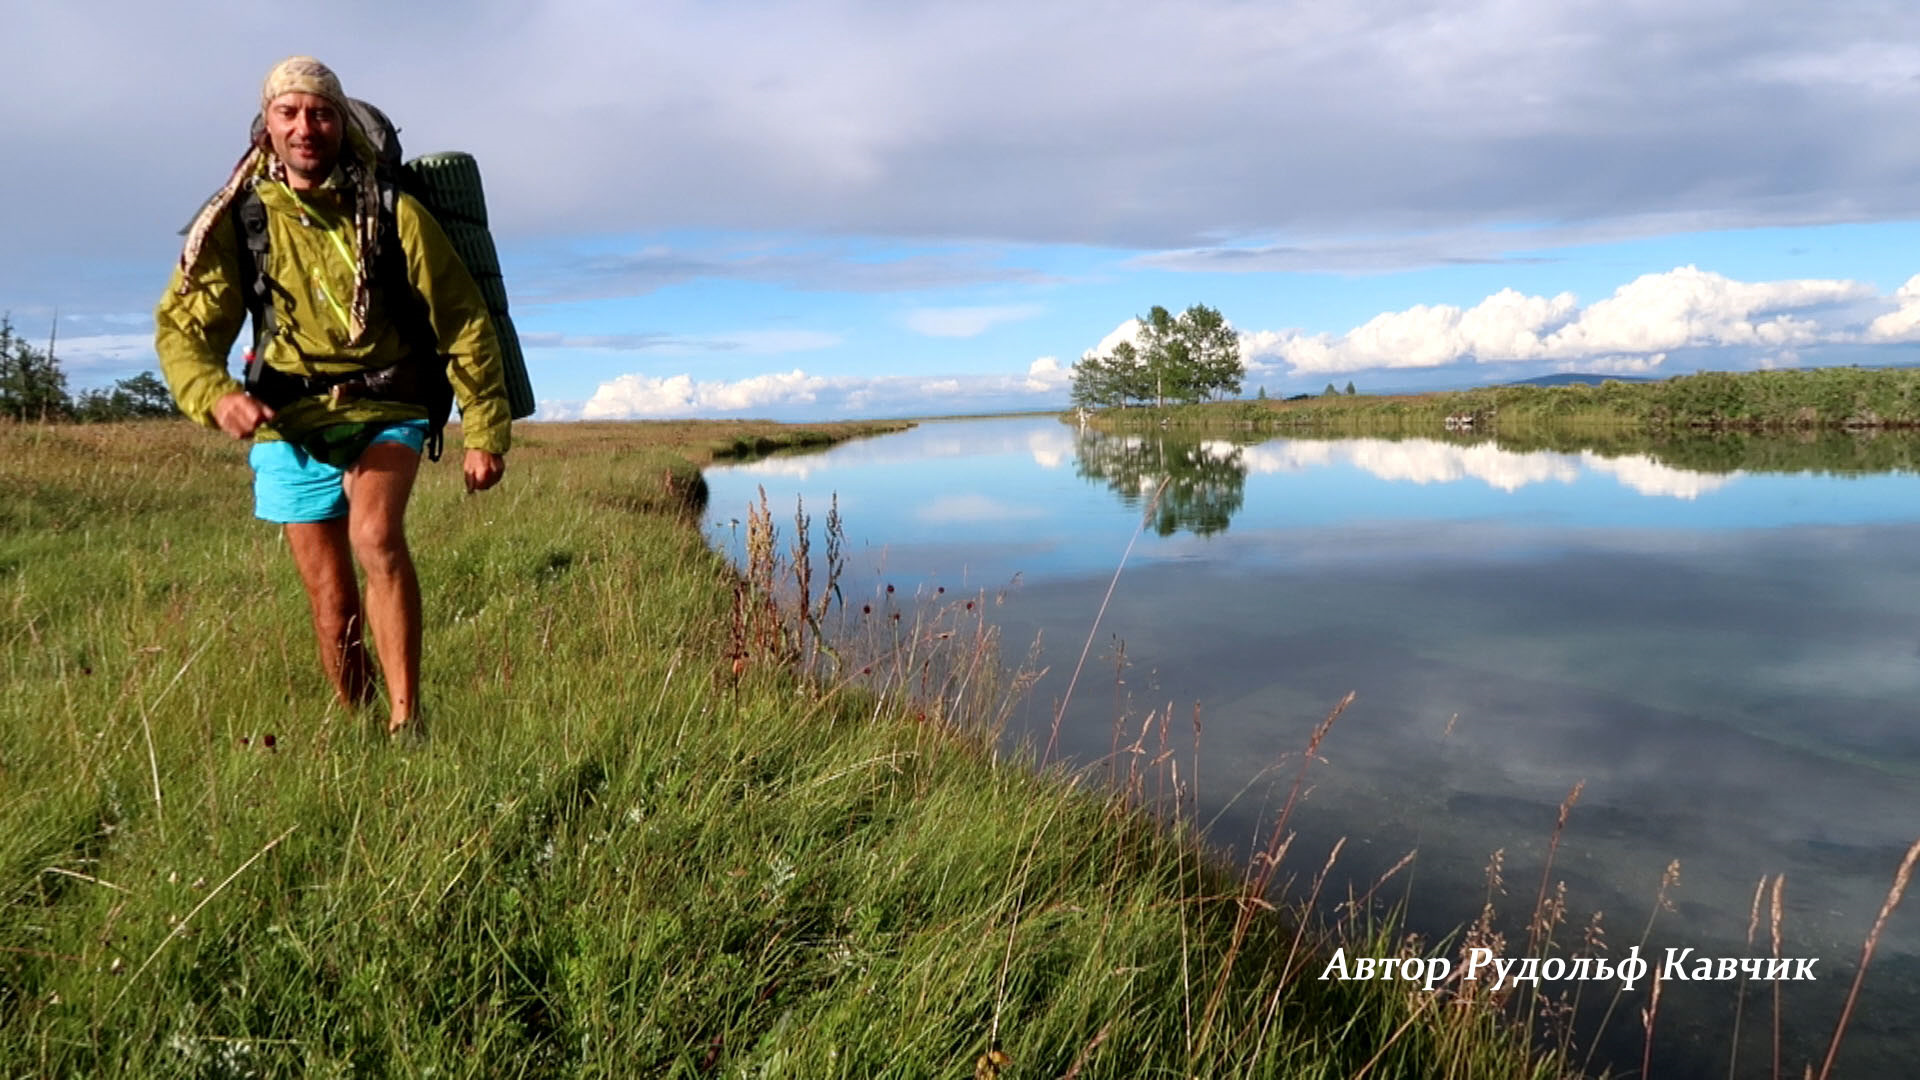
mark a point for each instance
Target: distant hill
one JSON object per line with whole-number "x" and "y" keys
{"x": 1576, "y": 378}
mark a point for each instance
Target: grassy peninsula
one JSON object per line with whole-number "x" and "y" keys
{"x": 634, "y": 843}
{"x": 1844, "y": 398}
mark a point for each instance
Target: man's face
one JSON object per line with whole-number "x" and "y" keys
{"x": 306, "y": 131}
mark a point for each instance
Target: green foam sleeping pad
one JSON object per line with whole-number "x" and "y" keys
{"x": 449, "y": 184}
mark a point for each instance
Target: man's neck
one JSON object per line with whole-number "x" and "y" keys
{"x": 301, "y": 181}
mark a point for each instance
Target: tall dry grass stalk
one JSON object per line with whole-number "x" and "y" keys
{"x": 1647, "y": 1017}
{"x": 1662, "y": 901}
{"x": 1261, "y": 870}
{"x": 1778, "y": 908}
{"x": 1740, "y": 997}
{"x": 1541, "y": 926}
{"x": 1894, "y": 895}
{"x": 1060, "y": 710}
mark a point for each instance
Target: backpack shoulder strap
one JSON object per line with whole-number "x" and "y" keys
{"x": 256, "y": 287}
{"x": 408, "y": 309}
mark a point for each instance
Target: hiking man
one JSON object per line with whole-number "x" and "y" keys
{"x": 331, "y": 399}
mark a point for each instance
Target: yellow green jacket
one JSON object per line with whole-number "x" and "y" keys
{"x": 310, "y": 239}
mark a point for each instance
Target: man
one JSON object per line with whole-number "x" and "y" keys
{"x": 334, "y": 467}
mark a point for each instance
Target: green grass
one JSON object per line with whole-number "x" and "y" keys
{"x": 1799, "y": 400}
{"x": 634, "y": 843}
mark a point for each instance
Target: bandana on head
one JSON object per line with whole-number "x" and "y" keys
{"x": 302, "y": 75}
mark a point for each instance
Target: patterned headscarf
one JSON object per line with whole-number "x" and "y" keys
{"x": 302, "y": 75}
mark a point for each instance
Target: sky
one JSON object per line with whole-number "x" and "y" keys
{"x": 817, "y": 210}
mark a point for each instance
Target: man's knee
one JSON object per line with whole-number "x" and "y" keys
{"x": 380, "y": 543}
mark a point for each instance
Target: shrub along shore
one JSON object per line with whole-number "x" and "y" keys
{"x": 1848, "y": 398}
{"x": 633, "y": 842}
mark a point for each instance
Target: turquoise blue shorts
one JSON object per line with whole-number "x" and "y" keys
{"x": 291, "y": 486}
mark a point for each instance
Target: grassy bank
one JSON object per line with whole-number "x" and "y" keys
{"x": 1815, "y": 398}
{"x": 633, "y": 844}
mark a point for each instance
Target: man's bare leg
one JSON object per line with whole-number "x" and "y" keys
{"x": 323, "y": 557}
{"x": 378, "y": 486}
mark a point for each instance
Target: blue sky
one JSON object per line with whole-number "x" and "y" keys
{"x": 845, "y": 209}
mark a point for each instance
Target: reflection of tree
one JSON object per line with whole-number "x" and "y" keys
{"x": 1205, "y": 482}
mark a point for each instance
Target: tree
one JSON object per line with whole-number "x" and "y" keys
{"x": 32, "y": 386}
{"x": 1164, "y": 354}
{"x": 1330, "y": 391}
{"x": 1111, "y": 380}
{"x": 1189, "y": 357}
{"x": 143, "y": 397}
{"x": 1092, "y": 382}
{"x": 1350, "y": 389}
{"x": 1212, "y": 352}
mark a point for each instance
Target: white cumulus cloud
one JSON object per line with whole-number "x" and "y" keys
{"x": 1128, "y": 332}
{"x": 1617, "y": 365}
{"x": 1693, "y": 307}
{"x": 1630, "y": 331}
{"x": 1903, "y": 323}
{"x": 632, "y": 396}
{"x": 1046, "y": 374}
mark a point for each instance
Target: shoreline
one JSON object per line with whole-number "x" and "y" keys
{"x": 618, "y": 850}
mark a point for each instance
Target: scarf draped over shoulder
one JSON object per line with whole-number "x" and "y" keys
{"x": 260, "y": 165}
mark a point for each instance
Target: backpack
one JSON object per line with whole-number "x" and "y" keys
{"x": 448, "y": 186}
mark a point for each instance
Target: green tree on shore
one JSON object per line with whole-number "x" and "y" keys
{"x": 33, "y": 388}
{"x": 1193, "y": 356}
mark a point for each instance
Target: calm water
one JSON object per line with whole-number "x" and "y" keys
{"x": 1721, "y": 640}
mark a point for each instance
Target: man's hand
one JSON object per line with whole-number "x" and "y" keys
{"x": 240, "y": 413}
{"x": 484, "y": 469}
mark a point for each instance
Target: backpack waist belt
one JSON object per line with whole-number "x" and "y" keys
{"x": 396, "y": 382}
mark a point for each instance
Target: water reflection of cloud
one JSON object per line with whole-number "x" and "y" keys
{"x": 1423, "y": 461}
{"x": 1051, "y": 447}
{"x": 1287, "y": 456}
{"x": 1649, "y": 477}
{"x": 1428, "y": 461}
{"x": 793, "y": 468}
{"x": 972, "y": 508}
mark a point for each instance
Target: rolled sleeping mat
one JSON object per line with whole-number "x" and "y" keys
{"x": 449, "y": 185}
{"x": 519, "y": 390}
{"x": 452, "y": 183}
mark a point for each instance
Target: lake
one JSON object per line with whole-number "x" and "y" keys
{"x": 1719, "y": 638}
